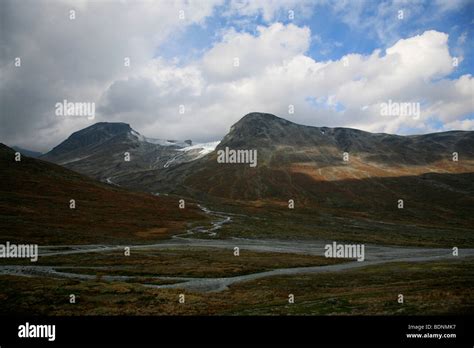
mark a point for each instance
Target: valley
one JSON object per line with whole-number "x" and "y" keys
{"x": 205, "y": 266}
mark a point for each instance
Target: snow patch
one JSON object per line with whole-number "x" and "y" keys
{"x": 110, "y": 182}
{"x": 204, "y": 148}
{"x": 73, "y": 160}
{"x": 160, "y": 142}
{"x": 168, "y": 163}
{"x": 138, "y": 135}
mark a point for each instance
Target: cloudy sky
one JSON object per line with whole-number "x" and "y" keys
{"x": 334, "y": 62}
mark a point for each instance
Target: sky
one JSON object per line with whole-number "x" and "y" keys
{"x": 189, "y": 69}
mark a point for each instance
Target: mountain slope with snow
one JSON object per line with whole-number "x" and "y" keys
{"x": 106, "y": 151}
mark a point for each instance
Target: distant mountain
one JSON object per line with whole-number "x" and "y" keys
{"x": 29, "y": 153}
{"x": 35, "y": 207}
{"x": 302, "y": 161}
{"x": 102, "y": 150}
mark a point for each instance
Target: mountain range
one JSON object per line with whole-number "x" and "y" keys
{"x": 302, "y": 161}
{"x": 101, "y": 151}
{"x": 26, "y": 152}
{"x": 343, "y": 181}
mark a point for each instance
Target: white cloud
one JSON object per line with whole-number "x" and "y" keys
{"x": 83, "y": 61}
{"x": 271, "y": 46}
{"x": 216, "y": 94}
{"x": 466, "y": 125}
{"x": 76, "y": 59}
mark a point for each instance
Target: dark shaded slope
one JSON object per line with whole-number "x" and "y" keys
{"x": 34, "y": 207}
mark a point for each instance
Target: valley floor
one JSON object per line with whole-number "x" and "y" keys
{"x": 257, "y": 282}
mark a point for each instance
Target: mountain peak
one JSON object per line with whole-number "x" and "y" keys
{"x": 90, "y": 136}
{"x": 261, "y": 117}
{"x": 257, "y": 127}
{"x": 110, "y": 127}
{"x": 260, "y": 122}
